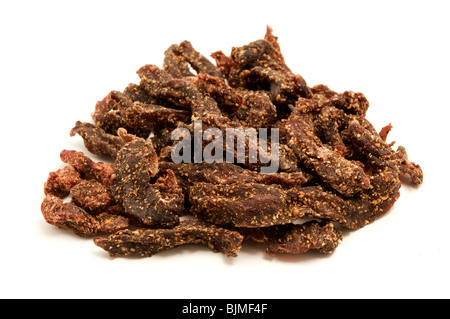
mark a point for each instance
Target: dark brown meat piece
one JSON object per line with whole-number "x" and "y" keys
{"x": 91, "y": 196}
{"x": 179, "y": 92}
{"x": 282, "y": 88}
{"x": 352, "y": 213}
{"x": 110, "y": 121}
{"x": 177, "y": 59}
{"x": 262, "y": 113}
{"x": 136, "y": 93}
{"x": 368, "y": 142}
{"x": 147, "y": 242}
{"x": 224, "y": 63}
{"x": 163, "y": 143}
{"x": 87, "y": 167}
{"x": 204, "y": 108}
{"x": 409, "y": 172}
{"x": 171, "y": 193}
{"x": 328, "y": 123}
{"x": 109, "y": 112}
{"x": 175, "y": 63}
{"x": 228, "y": 99}
{"x": 153, "y": 118}
{"x": 60, "y": 182}
{"x": 154, "y": 205}
{"x": 243, "y": 204}
{"x": 118, "y": 110}
{"x": 228, "y": 173}
{"x": 96, "y": 140}
{"x": 273, "y": 40}
{"x": 349, "y": 101}
{"x": 115, "y": 100}
{"x": 258, "y": 205}
{"x": 70, "y": 216}
{"x": 332, "y": 168}
{"x": 198, "y": 62}
{"x": 296, "y": 239}
{"x": 370, "y": 148}
{"x": 259, "y": 65}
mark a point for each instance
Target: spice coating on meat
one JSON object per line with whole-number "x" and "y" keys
{"x": 87, "y": 167}
{"x": 153, "y": 205}
{"x": 296, "y": 239}
{"x": 147, "y": 242}
{"x": 91, "y": 196}
{"x": 243, "y": 204}
{"x": 198, "y": 62}
{"x": 96, "y": 140}
{"x": 60, "y": 182}
{"x": 70, "y": 216}
{"x": 334, "y": 170}
{"x": 153, "y": 117}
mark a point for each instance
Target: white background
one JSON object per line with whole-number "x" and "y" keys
{"x": 58, "y": 58}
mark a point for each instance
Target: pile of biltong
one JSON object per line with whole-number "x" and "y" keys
{"x": 336, "y": 170}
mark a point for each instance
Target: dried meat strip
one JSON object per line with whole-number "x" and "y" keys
{"x": 250, "y": 142}
{"x": 179, "y": 92}
{"x": 198, "y": 62}
{"x": 273, "y": 40}
{"x": 348, "y": 101}
{"x": 163, "y": 143}
{"x": 96, "y": 140}
{"x": 228, "y": 173}
{"x": 110, "y": 121}
{"x": 374, "y": 150}
{"x": 228, "y": 99}
{"x": 409, "y": 172}
{"x": 179, "y": 58}
{"x": 203, "y": 107}
{"x": 351, "y": 102}
{"x": 137, "y": 93}
{"x": 153, "y": 118}
{"x": 136, "y": 117}
{"x": 147, "y": 242}
{"x": 258, "y": 205}
{"x": 368, "y": 142}
{"x": 109, "y": 112}
{"x": 224, "y": 63}
{"x": 70, "y": 216}
{"x": 87, "y": 167}
{"x": 243, "y": 204}
{"x": 91, "y": 196}
{"x": 329, "y": 123}
{"x": 332, "y": 168}
{"x": 154, "y": 205}
{"x": 175, "y": 63}
{"x": 259, "y": 65}
{"x": 296, "y": 239}
{"x": 352, "y": 213}
{"x": 114, "y": 100}
{"x": 281, "y": 87}
{"x": 262, "y": 113}
{"x": 60, "y": 182}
